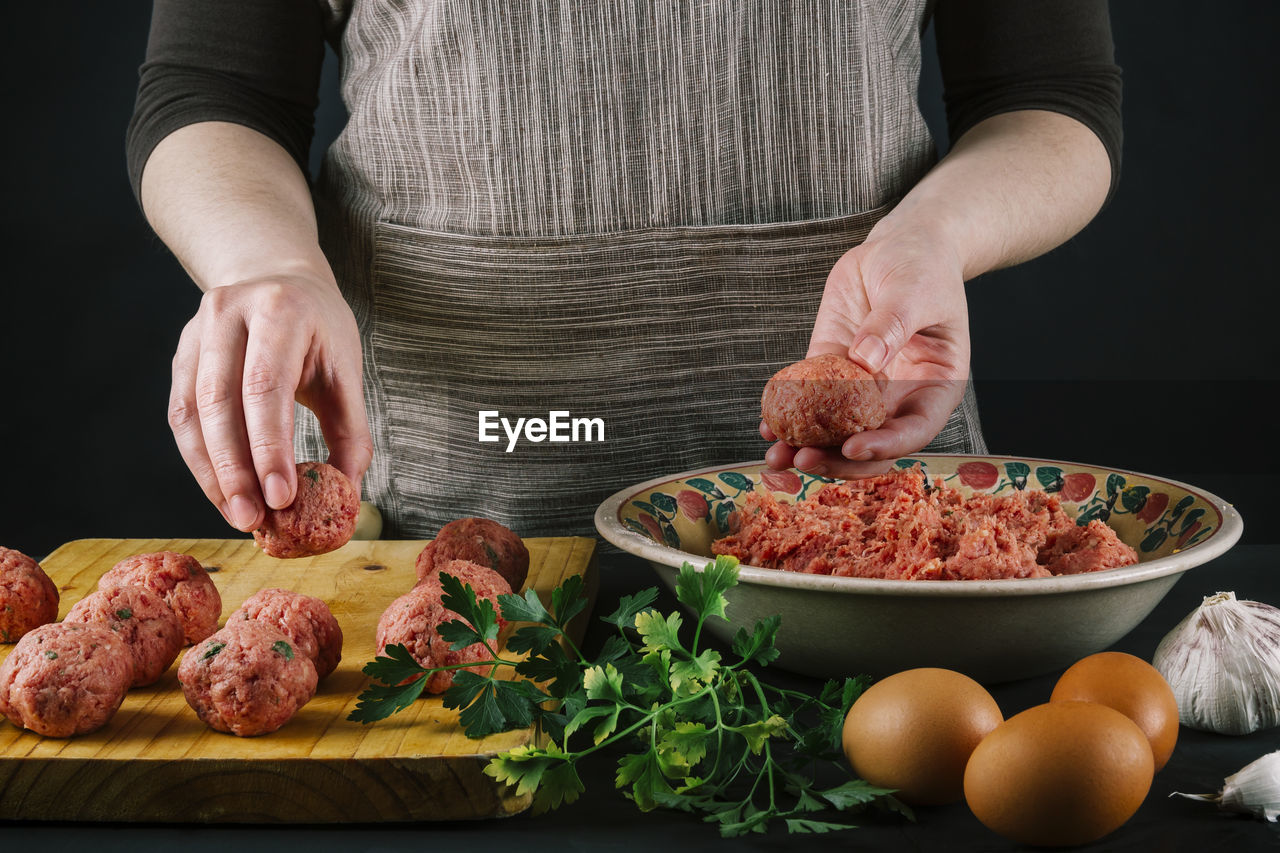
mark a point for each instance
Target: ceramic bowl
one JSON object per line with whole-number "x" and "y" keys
{"x": 994, "y": 631}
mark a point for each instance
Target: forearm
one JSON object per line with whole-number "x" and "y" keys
{"x": 1013, "y": 187}
{"x": 232, "y": 205}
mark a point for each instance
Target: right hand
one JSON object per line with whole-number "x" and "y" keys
{"x": 251, "y": 350}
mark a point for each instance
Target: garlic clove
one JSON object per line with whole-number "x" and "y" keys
{"x": 1254, "y": 789}
{"x": 1223, "y": 663}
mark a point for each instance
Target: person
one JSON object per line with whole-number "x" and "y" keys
{"x": 627, "y": 213}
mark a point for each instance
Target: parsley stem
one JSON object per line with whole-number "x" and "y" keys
{"x": 564, "y": 637}
{"x": 647, "y": 718}
{"x": 715, "y": 702}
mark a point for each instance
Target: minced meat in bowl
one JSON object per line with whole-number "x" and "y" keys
{"x": 1009, "y": 616}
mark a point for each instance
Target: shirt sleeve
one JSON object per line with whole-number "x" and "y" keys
{"x": 250, "y": 62}
{"x": 997, "y": 56}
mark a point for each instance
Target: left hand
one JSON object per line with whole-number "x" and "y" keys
{"x": 895, "y": 305}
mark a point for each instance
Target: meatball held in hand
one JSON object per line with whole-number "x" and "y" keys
{"x": 821, "y": 401}
{"x": 321, "y": 518}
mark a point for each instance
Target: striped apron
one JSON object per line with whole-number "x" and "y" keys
{"x": 623, "y": 211}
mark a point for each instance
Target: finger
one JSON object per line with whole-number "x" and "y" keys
{"x": 218, "y": 401}
{"x": 826, "y": 347}
{"x": 184, "y": 419}
{"x": 345, "y": 425}
{"x": 829, "y": 463}
{"x": 272, "y": 368}
{"x": 766, "y": 433}
{"x": 918, "y": 417}
{"x": 780, "y": 456}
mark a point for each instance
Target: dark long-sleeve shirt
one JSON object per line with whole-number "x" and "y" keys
{"x": 257, "y": 63}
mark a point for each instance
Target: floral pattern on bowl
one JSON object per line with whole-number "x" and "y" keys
{"x": 1156, "y": 517}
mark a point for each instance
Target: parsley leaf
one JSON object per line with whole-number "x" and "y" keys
{"x": 568, "y": 599}
{"x": 535, "y": 639}
{"x": 478, "y": 613}
{"x": 659, "y": 633}
{"x": 548, "y": 772}
{"x": 379, "y": 701}
{"x": 629, "y": 606}
{"x": 757, "y": 647}
{"x": 393, "y": 666}
{"x": 489, "y": 706}
{"x": 526, "y": 608}
{"x": 703, "y": 591}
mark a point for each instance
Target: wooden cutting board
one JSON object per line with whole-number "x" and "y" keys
{"x": 155, "y": 760}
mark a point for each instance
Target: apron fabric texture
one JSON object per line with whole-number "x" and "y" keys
{"x": 623, "y": 211}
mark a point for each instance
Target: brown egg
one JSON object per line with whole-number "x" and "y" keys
{"x": 914, "y": 731}
{"x": 1059, "y": 774}
{"x": 1133, "y": 687}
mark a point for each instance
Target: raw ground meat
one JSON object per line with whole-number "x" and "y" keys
{"x": 65, "y": 679}
{"x": 246, "y": 679}
{"x": 321, "y": 518}
{"x": 485, "y": 582}
{"x": 821, "y": 401}
{"x": 306, "y": 620}
{"x": 898, "y": 527}
{"x": 481, "y": 541}
{"x": 181, "y": 581}
{"x": 148, "y": 626}
{"x": 28, "y": 598}
{"x": 412, "y": 620}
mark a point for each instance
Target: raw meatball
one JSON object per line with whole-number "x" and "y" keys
{"x": 65, "y": 679}
{"x": 148, "y": 626}
{"x": 181, "y": 581}
{"x": 481, "y": 541}
{"x": 246, "y": 679}
{"x": 321, "y": 518}
{"x": 27, "y": 597}
{"x": 412, "y": 620}
{"x": 821, "y": 401}
{"x": 486, "y": 582}
{"x": 305, "y": 619}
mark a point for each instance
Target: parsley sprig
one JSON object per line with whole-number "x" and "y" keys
{"x": 703, "y": 734}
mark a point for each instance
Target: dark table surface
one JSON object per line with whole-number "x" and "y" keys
{"x": 602, "y": 819}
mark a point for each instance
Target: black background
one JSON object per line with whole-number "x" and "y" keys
{"x": 1146, "y": 343}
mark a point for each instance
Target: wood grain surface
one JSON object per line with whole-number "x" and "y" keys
{"x": 155, "y": 760}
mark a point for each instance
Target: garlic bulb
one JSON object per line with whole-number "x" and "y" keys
{"x": 1254, "y": 789}
{"x": 1223, "y": 663}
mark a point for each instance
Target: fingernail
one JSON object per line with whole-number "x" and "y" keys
{"x": 243, "y": 512}
{"x": 871, "y": 351}
{"x": 276, "y": 491}
{"x": 818, "y": 470}
{"x": 862, "y": 456}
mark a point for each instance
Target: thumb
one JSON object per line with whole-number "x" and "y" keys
{"x": 882, "y": 334}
